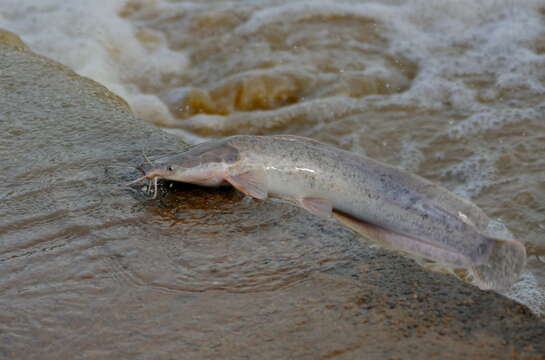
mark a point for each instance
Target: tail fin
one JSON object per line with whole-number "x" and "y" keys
{"x": 505, "y": 263}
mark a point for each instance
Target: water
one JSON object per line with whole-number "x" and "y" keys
{"x": 451, "y": 90}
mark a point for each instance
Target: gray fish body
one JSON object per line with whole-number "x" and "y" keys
{"x": 384, "y": 203}
{"x": 366, "y": 189}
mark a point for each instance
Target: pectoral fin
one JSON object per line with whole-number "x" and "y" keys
{"x": 403, "y": 243}
{"x": 251, "y": 183}
{"x": 318, "y": 206}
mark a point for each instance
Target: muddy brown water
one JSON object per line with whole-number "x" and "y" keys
{"x": 369, "y": 77}
{"x": 93, "y": 270}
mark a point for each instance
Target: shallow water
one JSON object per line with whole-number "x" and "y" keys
{"x": 86, "y": 261}
{"x": 452, "y": 91}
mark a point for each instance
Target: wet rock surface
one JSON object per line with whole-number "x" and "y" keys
{"x": 92, "y": 270}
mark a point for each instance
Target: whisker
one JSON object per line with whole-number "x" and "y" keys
{"x": 155, "y": 187}
{"x": 136, "y": 181}
{"x": 123, "y": 166}
{"x": 145, "y": 156}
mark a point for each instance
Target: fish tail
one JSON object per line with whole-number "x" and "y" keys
{"x": 504, "y": 265}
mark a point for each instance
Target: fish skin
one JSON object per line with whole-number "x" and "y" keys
{"x": 363, "y": 188}
{"x": 384, "y": 196}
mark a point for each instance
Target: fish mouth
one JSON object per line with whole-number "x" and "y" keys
{"x": 153, "y": 177}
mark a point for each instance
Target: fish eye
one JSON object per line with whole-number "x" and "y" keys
{"x": 169, "y": 168}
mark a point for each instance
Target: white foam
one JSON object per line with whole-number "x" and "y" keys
{"x": 452, "y": 39}
{"x": 94, "y": 41}
{"x": 151, "y": 108}
{"x": 411, "y": 155}
{"x": 301, "y": 10}
{"x": 477, "y": 171}
{"x": 528, "y": 292}
{"x": 489, "y": 119}
{"x": 314, "y": 111}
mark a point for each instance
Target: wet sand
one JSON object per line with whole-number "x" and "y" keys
{"x": 91, "y": 270}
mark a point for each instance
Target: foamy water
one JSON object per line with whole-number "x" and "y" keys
{"x": 447, "y": 41}
{"x": 453, "y": 90}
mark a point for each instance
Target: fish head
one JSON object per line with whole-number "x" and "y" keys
{"x": 204, "y": 164}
